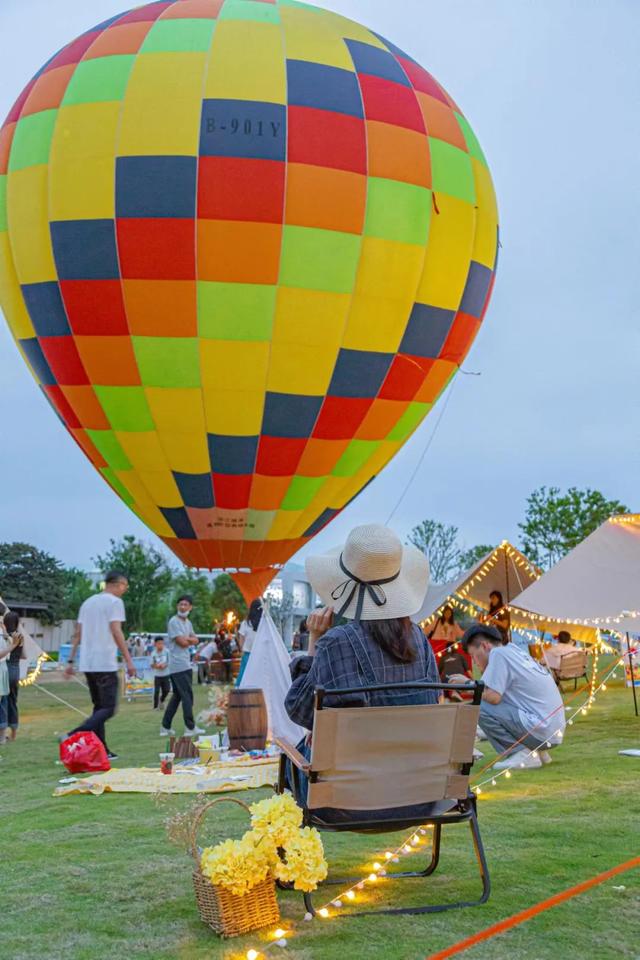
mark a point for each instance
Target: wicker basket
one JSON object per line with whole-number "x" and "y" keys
{"x": 226, "y": 913}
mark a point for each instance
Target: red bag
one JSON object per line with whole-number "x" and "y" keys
{"x": 84, "y": 752}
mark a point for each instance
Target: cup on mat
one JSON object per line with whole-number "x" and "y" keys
{"x": 166, "y": 762}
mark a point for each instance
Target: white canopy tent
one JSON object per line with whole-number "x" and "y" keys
{"x": 595, "y": 587}
{"x": 505, "y": 569}
{"x": 268, "y": 670}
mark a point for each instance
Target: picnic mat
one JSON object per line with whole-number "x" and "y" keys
{"x": 217, "y": 777}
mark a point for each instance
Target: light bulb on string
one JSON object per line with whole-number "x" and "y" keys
{"x": 323, "y": 912}
{"x": 350, "y": 895}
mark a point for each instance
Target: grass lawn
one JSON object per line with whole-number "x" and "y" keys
{"x": 87, "y": 877}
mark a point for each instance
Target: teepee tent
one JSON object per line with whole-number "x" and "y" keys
{"x": 268, "y": 669}
{"x": 595, "y": 587}
{"x": 505, "y": 569}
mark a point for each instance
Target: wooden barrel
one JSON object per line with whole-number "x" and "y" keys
{"x": 247, "y": 719}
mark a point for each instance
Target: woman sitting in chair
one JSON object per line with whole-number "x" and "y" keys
{"x": 376, "y": 583}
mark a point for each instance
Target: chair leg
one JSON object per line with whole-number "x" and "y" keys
{"x": 439, "y": 908}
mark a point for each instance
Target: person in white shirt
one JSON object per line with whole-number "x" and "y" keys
{"x": 521, "y": 710}
{"x": 247, "y": 633}
{"x": 99, "y": 635}
{"x": 203, "y": 659}
{"x": 160, "y": 667}
{"x": 565, "y": 644}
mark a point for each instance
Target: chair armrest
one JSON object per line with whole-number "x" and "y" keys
{"x": 293, "y": 754}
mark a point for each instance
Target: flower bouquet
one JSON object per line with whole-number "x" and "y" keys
{"x": 216, "y": 712}
{"x": 234, "y": 881}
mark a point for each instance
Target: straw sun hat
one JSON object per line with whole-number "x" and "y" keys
{"x": 372, "y": 577}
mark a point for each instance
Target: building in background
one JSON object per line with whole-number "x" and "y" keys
{"x": 291, "y": 598}
{"x": 48, "y": 636}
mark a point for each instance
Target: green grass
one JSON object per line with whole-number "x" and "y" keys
{"x": 86, "y": 877}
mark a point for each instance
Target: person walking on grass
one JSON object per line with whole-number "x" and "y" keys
{"x": 522, "y": 713}
{"x": 99, "y": 636}
{"x": 180, "y": 637}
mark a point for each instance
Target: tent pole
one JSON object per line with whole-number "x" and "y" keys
{"x": 506, "y": 573}
{"x": 633, "y": 679}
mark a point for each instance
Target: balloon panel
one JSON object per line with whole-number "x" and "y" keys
{"x": 244, "y": 246}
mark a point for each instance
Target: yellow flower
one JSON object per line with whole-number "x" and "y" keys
{"x": 276, "y": 819}
{"x": 237, "y": 865}
{"x": 304, "y": 864}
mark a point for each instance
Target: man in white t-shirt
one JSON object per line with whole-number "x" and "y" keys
{"x": 521, "y": 710}
{"x": 99, "y": 634}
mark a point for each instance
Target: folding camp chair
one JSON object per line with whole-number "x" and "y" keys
{"x": 367, "y": 762}
{"x": 573, "y": 666}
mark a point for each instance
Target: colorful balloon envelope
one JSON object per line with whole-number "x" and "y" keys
{"x": 244, "y": 246}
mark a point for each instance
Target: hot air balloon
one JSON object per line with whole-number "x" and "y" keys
{"x": 244, "y": 246}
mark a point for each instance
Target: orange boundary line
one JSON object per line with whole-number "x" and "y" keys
{"x": 527, "y": 914}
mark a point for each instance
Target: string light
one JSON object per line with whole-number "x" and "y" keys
{"x": 35, "y": 673}
{"x": 412, "y": 844}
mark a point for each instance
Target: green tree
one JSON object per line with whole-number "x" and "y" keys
{"x": 469, "y": 558}
{"x": 77, "y": 587}
{"x": 148, "y": 573}
{"x": 556, "y": 522}
{"x": 439, "y": 542}
{"x": 226, "y": 596}
{"x": 33, "y": 576}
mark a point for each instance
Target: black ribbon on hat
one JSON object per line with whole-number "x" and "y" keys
{"x": 354, "y": 584}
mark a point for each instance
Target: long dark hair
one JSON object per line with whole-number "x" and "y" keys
{"x": 394, "y": 637}
{"x": 11, "y": 622}
{"x": 499, "y": 605}
{"x": 444, "y": 610}
{"x": 255, "y": 613}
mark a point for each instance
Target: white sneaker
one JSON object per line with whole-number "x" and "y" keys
{"x": 545, "y": 756}
{"x": 167, "y": 733}
{"x": 194, "y": 732}
{"x": 523, "y": 758}
{"x": 480, "y": 734}
{"x": 477, "y": 754}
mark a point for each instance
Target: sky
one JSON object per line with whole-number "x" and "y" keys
{"x": 552, "y": 89}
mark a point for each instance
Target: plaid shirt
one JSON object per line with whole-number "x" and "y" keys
{"x": 347, "y": 657}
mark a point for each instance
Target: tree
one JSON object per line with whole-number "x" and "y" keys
{"x": 148, "y": 573}
{"x": 32, "y": 576}
{"x": 280, "y": 607}
{"x": 469, "y": 558}
{"x": 556, "y": 522}
{"x": 77, "y": 588}
{"x": 226, "y": 596}
{"x": 439, "y": 542}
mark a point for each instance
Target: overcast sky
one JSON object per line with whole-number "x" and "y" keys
{"x": 552, "y": 89}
